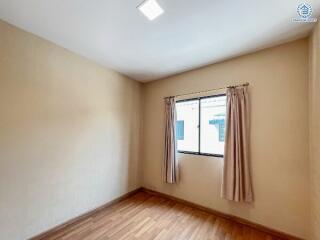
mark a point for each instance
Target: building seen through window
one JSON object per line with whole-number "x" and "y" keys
{"x": 200, "y": 125}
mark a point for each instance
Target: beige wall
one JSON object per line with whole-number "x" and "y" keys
{"x": 314, "y": 92}
{"x": 69, "y": 134}
{"x": 278, "y": 80}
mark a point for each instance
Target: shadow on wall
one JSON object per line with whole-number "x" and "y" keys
{"x": 66, "y": 144}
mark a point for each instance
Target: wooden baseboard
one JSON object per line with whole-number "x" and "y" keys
{"x": 85, "y": 215}
{"x": 239, "y": 220}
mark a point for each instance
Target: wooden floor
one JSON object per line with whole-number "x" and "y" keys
{"x": 144, "y": 216}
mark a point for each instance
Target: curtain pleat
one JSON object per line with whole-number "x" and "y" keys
{"x": 236, "y": 183}
{"x": 170, "y": 168}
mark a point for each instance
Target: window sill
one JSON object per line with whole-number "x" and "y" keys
{"x": 202, "y": 154}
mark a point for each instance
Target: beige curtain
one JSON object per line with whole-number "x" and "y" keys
{"x": 236, "y": 184}
{"x": 170, "y": 169}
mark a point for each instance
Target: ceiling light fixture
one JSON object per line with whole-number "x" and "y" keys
{"x": 151, "y": 9}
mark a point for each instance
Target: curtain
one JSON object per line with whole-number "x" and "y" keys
{"x": 170, "y": 170}
{"x": 236, "y": 183}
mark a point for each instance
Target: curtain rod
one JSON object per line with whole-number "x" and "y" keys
{"x": 209, "y": 90}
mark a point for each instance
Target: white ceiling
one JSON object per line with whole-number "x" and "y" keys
{"x": 190, "y": 34}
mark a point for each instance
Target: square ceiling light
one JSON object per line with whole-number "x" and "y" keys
{"x": 151, "y": 9}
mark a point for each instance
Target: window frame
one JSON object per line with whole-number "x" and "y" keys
{"x": 199, "y": 153}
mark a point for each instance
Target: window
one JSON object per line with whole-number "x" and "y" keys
{"x": 200, "y": 125}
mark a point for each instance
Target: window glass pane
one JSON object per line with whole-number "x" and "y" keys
{"x": 213, "y": 115}
{"x": 187, "y": 131}
{"x": 180, "y": 130}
